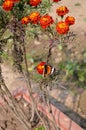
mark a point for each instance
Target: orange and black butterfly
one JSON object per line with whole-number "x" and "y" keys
{"x": 48, "y": 70}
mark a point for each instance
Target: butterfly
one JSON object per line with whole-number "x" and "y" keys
{"x": 48, "y": 70}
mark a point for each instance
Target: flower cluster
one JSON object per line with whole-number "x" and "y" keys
{"x": 8, "y": 4}
{"x": 35, "y": 18}
{"x": 46, "y": 20}
{"x": 62, "y": 27}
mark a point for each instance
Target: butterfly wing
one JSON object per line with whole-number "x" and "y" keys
{"x": 48, "y": 70}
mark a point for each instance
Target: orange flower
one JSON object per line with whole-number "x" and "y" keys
{"x": 7, "y": 5}
{"x": 61, "y": 11}
{"x": 45, "y": 21}
{"x": 40, "y": 67}
{"x": 34, "y": 17}
{"x": 56, "y": 0}
{"x": 35, "y": 2}
{"x": 70, "y": 20}
{"x": 62, "y": 27}
{"x": 25, "y": 20}
{"x": 13, "y": 0}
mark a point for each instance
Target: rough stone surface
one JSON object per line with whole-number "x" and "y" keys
{"x": 82, "y": 104}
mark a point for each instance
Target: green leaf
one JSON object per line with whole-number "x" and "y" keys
{"x": 60, "y": 47}
{"x": 40, "y": 128}
{"x": 81, "y": 78}
{"x": 77, "y": 4}
{"x": 85, "y": 19}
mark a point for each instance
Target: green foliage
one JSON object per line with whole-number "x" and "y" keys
{"x": 4, "y": 19}
{"x": 75, "y": 70}
{"x": 33, "y": 31}
{"x": 44, "y": 6}
{"x": 22, "y": 9}
{"x": 81, "y": 72}
{"x": 4, "y": 55}
{"x": 40, "y": 128}
{"x": 36, "y": 77}
{"x": 60, "y": 47}
{"x": 77, "y": 4}
{"x": 84, "y": 19}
